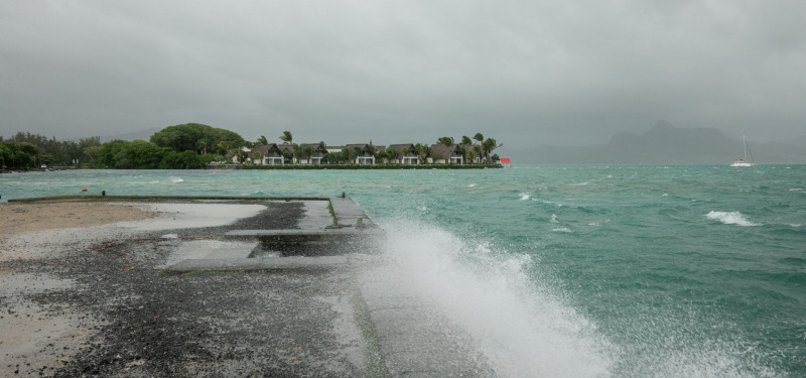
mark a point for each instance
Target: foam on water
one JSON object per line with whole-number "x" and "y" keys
{"x": 518, "y": 325}
{"x": 177, "y": 180}
{"x": 731, "y": 217}
{"x": 524, "y": 196}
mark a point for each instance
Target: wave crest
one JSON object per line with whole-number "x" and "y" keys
{"x": 731, "y": 217}
{"x": 515, "y": 322}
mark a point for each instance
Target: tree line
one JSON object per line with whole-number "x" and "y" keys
{"x": 185, "y": 146}
{"x": 480, "y": 152}
{"x": 26, "y": 151}
{"x": 190, "y": 146}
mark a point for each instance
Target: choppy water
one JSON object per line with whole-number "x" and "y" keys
{"x": 582, "y": 270}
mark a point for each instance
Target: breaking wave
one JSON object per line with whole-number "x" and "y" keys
{"x": 516, "y": 323}
{"x": 521, "y": 323}
{"x": 731, "y": 217}
{"x": 524, "y": 196}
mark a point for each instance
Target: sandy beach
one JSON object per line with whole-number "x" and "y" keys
{"x": 20, "y": 218}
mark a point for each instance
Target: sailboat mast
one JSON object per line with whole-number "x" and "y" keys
{"x": 744, "y": 140}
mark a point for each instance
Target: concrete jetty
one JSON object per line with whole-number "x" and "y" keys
{"x": 233, "y": 286}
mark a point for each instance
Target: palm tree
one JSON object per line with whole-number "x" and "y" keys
{"x": 446, "y": 141}
{"x": 262, "y": 140}
{"x": 392, "y": 154}
{"x": 306, "y": 153}
{"x": 287, "y": 137}
{"x": 467, "y": 147}
{"x": 470, "y": 153}
{"x": 488, "y": 146}
{"x": 479, "y": 137}
{"x": 422, "y": 151}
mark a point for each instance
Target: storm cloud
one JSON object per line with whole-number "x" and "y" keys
{"x": 525, "y": 72}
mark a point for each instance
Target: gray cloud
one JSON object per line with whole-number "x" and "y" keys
{"x": 525, "y": 72}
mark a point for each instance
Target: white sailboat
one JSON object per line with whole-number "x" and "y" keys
{"x": 747, "y": 160}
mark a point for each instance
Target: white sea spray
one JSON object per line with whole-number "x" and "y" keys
{"x": 731, "y": 217}
{"x": 518, "y": 324}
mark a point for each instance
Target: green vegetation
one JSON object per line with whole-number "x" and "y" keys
{"x": 29, "y": 151}
{"x": 195, "y": 146}
{"x": 361, "y": 166}
{"x": 189, "y": 146}
{"x": 197, "y": 137}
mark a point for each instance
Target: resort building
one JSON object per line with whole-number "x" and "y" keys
{"x": 442, "y": 154}
{"x": 356, "y": 153}
{"x": 287, "y": 151}
{"x": 266, "y": 154}
{"x": 317, "y": 152}
{"x": 364, "y": 153}
{"x": 404, "y": 154}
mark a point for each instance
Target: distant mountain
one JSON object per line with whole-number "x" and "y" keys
{"x": 142, "y": 134}
{"x": 664, "y": 144}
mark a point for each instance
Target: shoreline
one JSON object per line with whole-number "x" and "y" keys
{"x": 213, "y": 286}
{"x": 285, "y": 167}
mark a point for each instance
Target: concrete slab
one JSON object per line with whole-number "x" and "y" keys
{"x": 210, "y": 249}
{"x": 191, "y": 215}
{"x": 349, "y": 214}
{"x": 301, "y": 263}
{"x": 317, "y": 216}
{"x": 306, "y": 232}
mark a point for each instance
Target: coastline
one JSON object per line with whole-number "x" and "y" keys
{"x": 293, "y": 167}
{"x": 210, "y": 285}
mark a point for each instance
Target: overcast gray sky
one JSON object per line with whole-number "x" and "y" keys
{"x": 526, "y": 72}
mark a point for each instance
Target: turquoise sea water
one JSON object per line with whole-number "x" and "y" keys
{"x": 653, "y": 270}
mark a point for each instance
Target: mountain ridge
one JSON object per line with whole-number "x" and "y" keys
{"x": 664, "y": 143}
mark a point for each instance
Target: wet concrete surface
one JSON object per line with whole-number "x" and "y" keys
{"x": 104, "y": 307}
{"x": 135, "y": 320}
